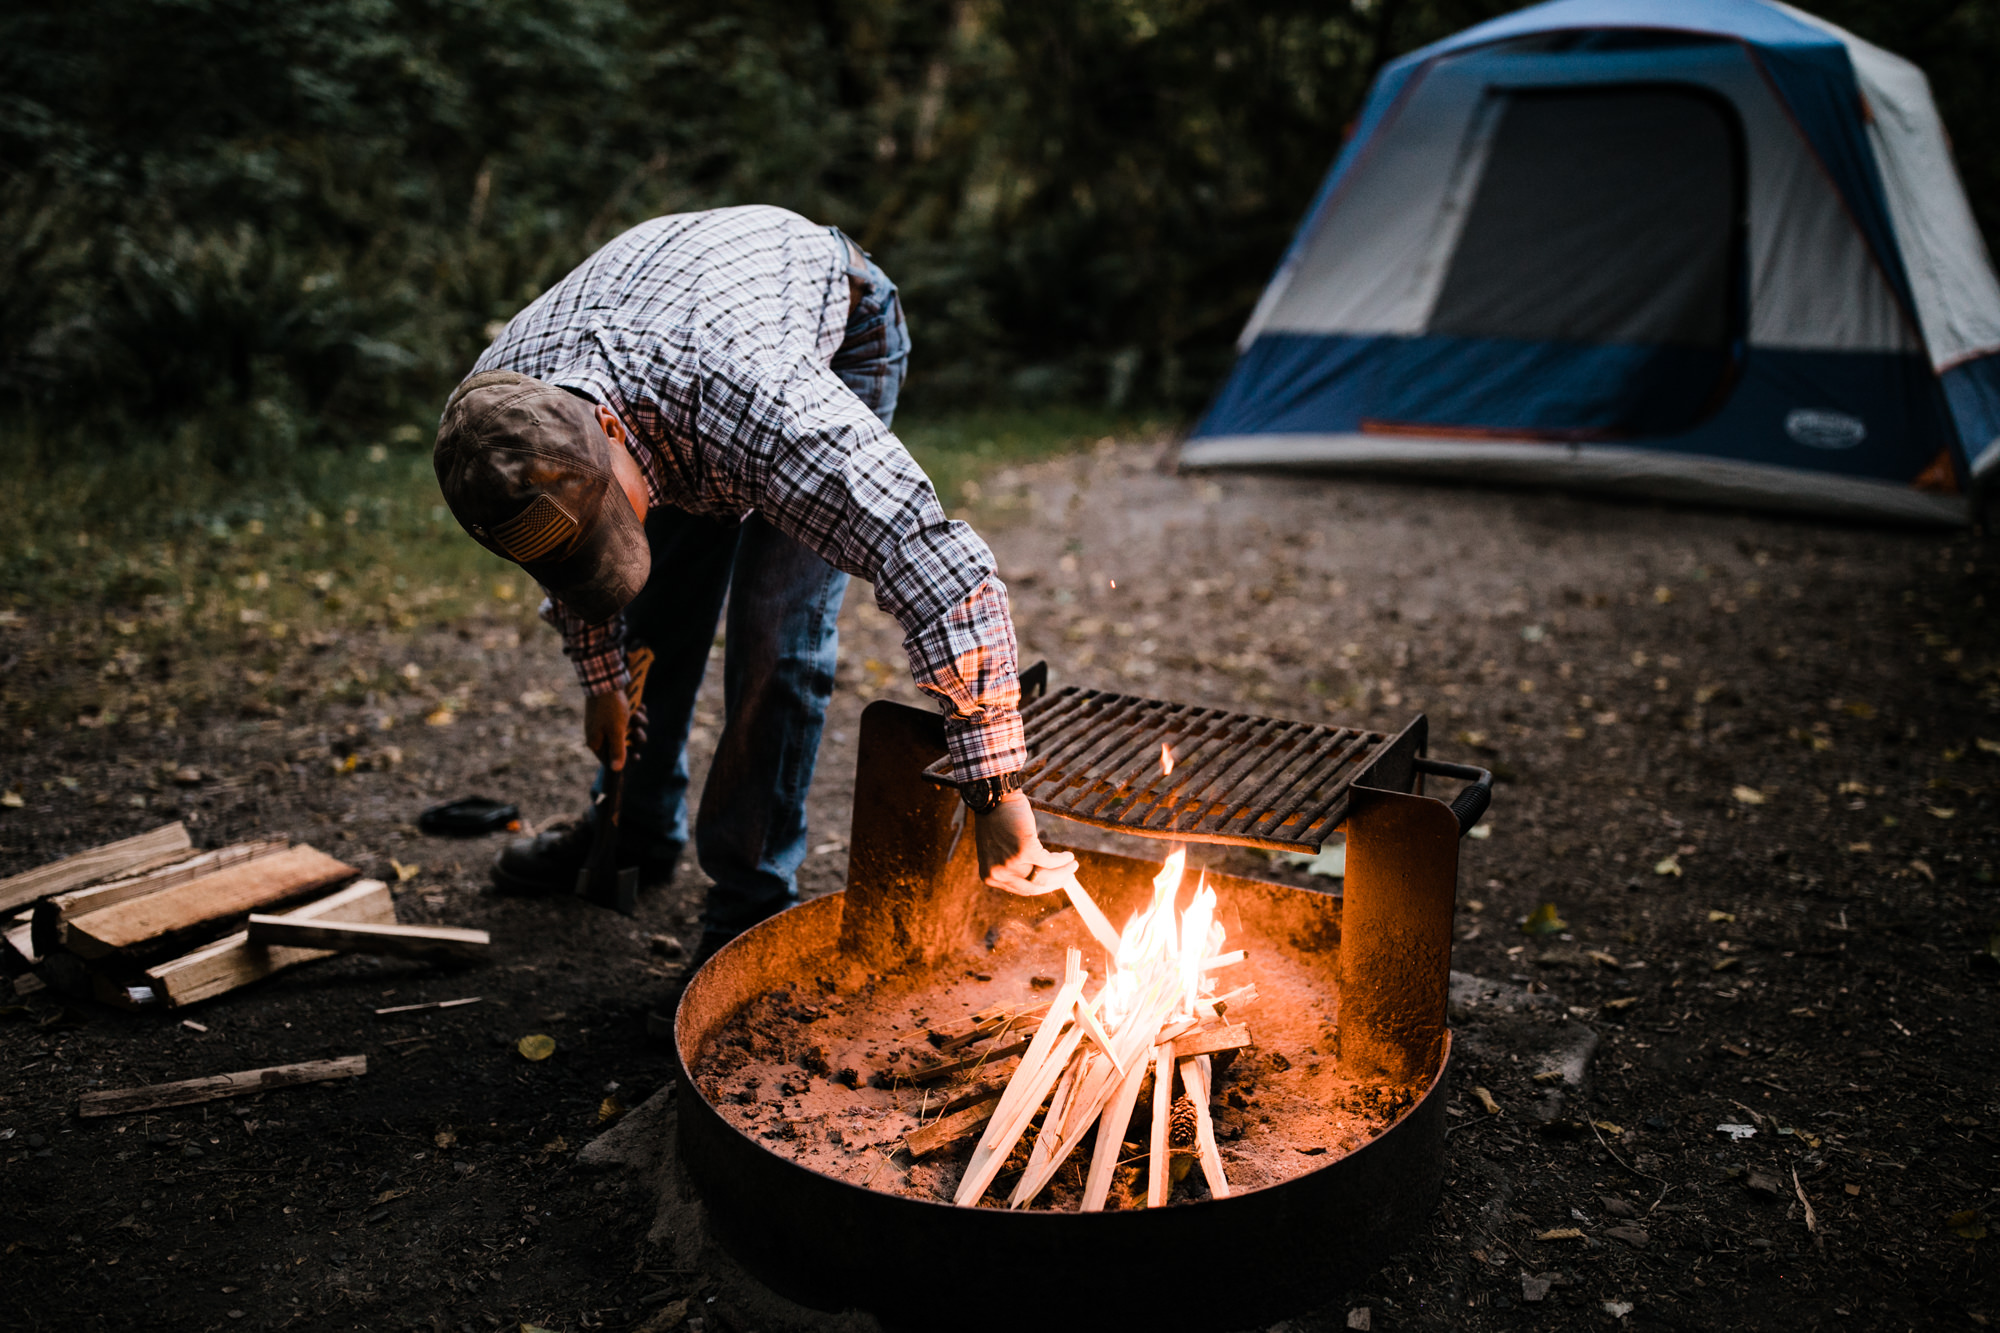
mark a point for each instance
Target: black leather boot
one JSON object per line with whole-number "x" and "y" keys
{"x": 549, "y": 861}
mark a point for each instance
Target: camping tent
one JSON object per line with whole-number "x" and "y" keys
{"x": 1707, "y": 249}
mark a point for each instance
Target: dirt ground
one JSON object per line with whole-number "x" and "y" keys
{"x": 1750, "y": 762}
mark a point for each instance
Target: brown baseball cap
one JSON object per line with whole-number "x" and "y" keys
{"x": 526, "y": 470}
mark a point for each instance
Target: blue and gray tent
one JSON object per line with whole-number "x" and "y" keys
{"x": 1702, "y": 249}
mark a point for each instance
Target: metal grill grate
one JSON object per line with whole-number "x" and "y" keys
{"x": 1094, "y": 757}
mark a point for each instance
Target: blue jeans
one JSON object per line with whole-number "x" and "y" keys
{"x": 777, "y": 673}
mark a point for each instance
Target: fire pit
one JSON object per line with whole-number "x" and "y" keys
{"x": 844, "y": 1065}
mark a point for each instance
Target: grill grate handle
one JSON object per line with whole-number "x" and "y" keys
{"x": 1472, "y": 800}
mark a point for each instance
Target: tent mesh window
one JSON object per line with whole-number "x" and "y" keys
{"x": 1607, "y": 215}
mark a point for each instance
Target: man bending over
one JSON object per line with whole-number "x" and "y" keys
{"x": 701, "y": 411}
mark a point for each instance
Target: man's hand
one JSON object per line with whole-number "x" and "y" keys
{"x": 1011, "y": 855}
{"x": 607, "y": 719}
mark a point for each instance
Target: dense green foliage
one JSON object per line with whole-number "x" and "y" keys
{"x": 298, "y": 220}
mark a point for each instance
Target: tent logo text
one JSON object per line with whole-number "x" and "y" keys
{"x": 1819, "y": 429}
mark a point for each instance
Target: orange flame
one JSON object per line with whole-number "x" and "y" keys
{"x": 1166, "y": 759}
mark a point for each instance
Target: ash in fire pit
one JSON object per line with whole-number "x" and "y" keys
{"x": 889, "y": 1084}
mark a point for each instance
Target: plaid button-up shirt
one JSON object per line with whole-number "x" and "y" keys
{"x": 710, "y": 335}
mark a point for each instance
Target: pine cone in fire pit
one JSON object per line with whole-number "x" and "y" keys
{"x": 1182, "y": 1121}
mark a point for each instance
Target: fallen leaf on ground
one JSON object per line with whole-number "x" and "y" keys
{"x": 1721, "y": 916}
{"x": 1600, "y": 957}
{"x": 1668, "y": 865}
{"x": 1486, "y": 1100}
{"x": 1561, "y": 1233}
{"x": 1967, "y": 1223}
{"x": 536, "y": 1046}
{"x": 1747, "y": 795}
{"x": 1991, "y": 747}
{"x": 1544, "y": 920}
{"x": 609, "y": 1109}
{"x": 1942, "y": 811}
{"x": 1724, "y": 964}
{"x": 12, "y": 799}
{"x": 666, "y": 1318}
{"x": 404, "y": 874}
{"x": 1737, "y": 1132}
{"x": 1619, "y": 1309}
{"x": 1622, "y": 1002}
{"x": 440, "y": 717}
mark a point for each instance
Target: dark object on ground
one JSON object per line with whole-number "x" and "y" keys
{"x": 469, "y": 817}
{"x": 549, "y": 861}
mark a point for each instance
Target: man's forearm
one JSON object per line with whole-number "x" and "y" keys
{"x": 968, "y": 661}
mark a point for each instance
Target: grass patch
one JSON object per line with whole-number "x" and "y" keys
{"x": 121, "y": 571}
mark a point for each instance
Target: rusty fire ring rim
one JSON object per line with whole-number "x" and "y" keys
{"x": 1403, "y": 1151}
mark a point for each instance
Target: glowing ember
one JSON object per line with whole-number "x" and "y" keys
{"x": 1092, "y": 1056}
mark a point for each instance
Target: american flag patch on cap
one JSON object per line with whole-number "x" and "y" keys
{"x": 537, "y": 530}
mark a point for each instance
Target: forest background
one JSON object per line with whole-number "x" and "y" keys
{"x": 295, "y": 224}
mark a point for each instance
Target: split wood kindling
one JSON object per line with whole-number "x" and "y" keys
{"x": 1090, "y": 1059}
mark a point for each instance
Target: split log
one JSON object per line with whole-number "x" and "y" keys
{"x": 236, "y": 961}
{"x": 52, "y": 913}
{"x": 949, "y": 1129}
{"x": 1111, "y": 1137}
{"x": 1195, "y": 1074}
{"x": 1212, "y": 1041}
{"x": 169, "y": 842}
{"x": 932, "y": 1073}
{"x": 1158, "y": 1181}
{"x": 157, "y": 922}
{"x": 158, "y": 1096}
{"x": 444, "y": 943}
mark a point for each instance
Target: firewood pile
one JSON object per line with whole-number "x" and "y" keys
{"x": 1156, "y": 1018}
{"x": 150, "y": 922}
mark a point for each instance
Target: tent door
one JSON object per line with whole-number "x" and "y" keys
{"x": 1608, "y": 227}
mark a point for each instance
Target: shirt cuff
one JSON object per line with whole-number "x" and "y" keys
{"x": 602, "y": 671}
{"x": 985, "y": 749}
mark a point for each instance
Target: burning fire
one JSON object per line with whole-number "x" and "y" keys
{"x": 1091, "y": 1057}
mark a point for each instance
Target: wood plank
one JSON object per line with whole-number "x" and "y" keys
{"x": 187, "y": 1092}
{"x": 52, "y": 913}
{"x": 234, "y": 962}
{"x": 166, "y": 843}
{"x": 159, "y": 921}
{"x": 947, "y": 1130}
{"x": 1212, "y": 1041}
{"x": 450, "y": 943}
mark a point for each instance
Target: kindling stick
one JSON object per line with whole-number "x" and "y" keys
{"x": 1158, "y": 1182}
{"x": 1195, "y": 1074}
{"x": 991, "y": 1152}
{"x": 1111, "y": 1137}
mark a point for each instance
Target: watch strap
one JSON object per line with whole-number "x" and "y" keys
{"x": 983, "y": 795}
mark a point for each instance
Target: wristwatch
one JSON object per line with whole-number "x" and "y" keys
{"x": 984, "y": 795}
